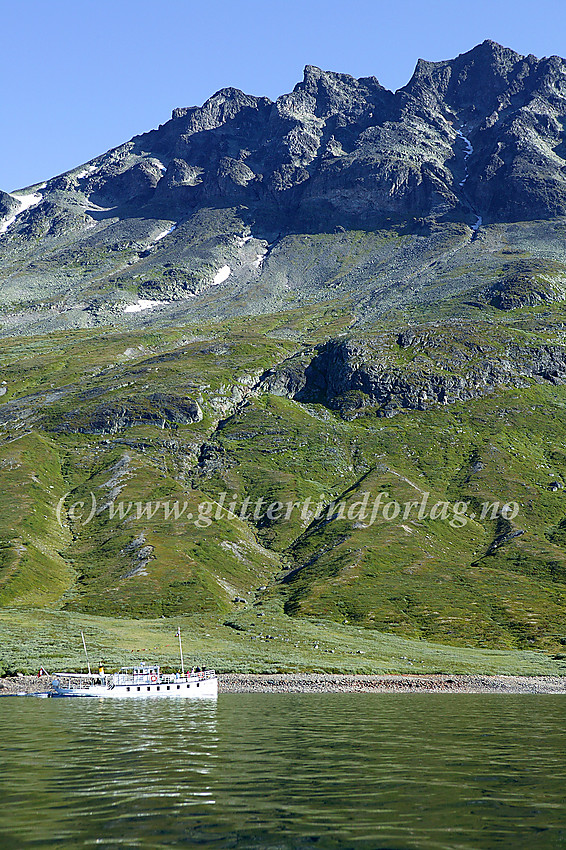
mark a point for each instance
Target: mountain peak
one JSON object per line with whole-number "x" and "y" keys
{"x": 315, "y": 81}
{"x": 338, "y": 150}
{"x": 494, "y": 52}
{"x": 476, "y": 80}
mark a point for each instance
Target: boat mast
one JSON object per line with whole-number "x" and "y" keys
{"x": 181, "y": 649}
{"x": 86, "y": 653}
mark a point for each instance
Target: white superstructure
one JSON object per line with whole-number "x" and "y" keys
{"x": 143, "y": 681}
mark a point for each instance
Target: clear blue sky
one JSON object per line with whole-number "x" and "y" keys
{"x": 81, "y": 76}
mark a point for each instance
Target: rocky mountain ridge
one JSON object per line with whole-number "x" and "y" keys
{"x": 347, "y": 149}
{"x": 200, "y": 216}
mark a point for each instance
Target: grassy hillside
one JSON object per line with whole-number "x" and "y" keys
{"x": 92, "y": 421}
{"x": 245, "y": 643}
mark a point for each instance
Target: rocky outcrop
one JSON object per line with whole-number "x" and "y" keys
{"x": 168, "y": 411}
{"x": 355, "y": 377}
{"x": 290, "y": 377}
{"x": 139, "y": 554}
{"x": 526, "y": 284}
{"x": 8, "y": 205}
{"x": 126, "y": 184}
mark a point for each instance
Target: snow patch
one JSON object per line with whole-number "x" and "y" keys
{"x": 165, "y": 233}
{"x": 143, "y": 304}
{"x": 85, "y": 172}
{"x": 6, "y": 224}
{"x": 478, "y": 223}
{"x": 92, "y": 207}
{"x": 25, "y": 201}
{"x": 467, "y": 154}
{"x": 28, "y": 201}
{"x": 221, "y": 275}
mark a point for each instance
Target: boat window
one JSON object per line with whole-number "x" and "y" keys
{"x": 178, "y": 687}
{"x": 127, "y": 689}
{"x": 168, "y": 688}
{"x": 158, "y": 688}
{"x": 139, "y": 689}
{"x": 148, "y": 688}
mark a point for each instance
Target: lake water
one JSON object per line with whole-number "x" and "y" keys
{"x": 383, "y": 771}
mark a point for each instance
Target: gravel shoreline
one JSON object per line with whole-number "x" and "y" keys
{"x": 316, "y": 683}
{"x": 309, "y": 683}
{"x": 24, "y": 685}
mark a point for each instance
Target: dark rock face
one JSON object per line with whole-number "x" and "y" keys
{"x": 512, "y": 108}
{"x": 136, "y": 182}
{"x": 8, "y": 205}
{"x": 110, "y": 418}
{"x": 348, "y": 151}
{"x": 347, "y": 147}
{"x": 290, "y": 378}
{"x": 351, "y": 149}
{"x": 352, "y": 376}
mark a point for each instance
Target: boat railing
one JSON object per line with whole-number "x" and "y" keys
{"x": 83, "y": 681}
{"x": 143, "y": 678}
{"x": 203, "y": 674}
{"x": 76, "y": 681}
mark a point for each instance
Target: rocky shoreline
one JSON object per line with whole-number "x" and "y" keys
{"x": 308, "y": 683}
{"x": 24, "y": 685}
{"x": 312, "y": 683}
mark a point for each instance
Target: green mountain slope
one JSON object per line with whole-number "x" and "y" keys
{"x": 302, "y": 361}
{"x": 112, "y": 432}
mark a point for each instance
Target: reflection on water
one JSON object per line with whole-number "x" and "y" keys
{"x": 285, "y": 771}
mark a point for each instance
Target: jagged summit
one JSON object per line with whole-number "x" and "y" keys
{"x": 357, "y": 151}
{"x": 316, "y": 81}
{"x": 476, "y": 80}
{"x": 473, "y": 141}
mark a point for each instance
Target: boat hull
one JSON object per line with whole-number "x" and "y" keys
{"x": 191, "y": 689}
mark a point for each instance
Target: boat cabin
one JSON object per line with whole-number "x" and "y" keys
{"x": 145, "y": 674}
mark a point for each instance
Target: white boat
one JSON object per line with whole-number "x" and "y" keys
{"x": 135, "y": 682}
{"x": 143, "y": 681}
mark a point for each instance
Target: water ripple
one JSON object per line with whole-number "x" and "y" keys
{"x": 441, "y": 772}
